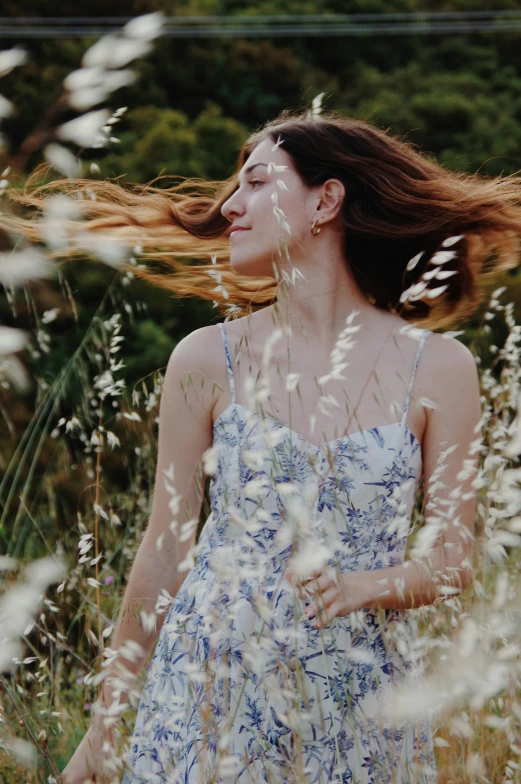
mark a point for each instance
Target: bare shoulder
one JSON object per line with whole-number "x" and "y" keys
{"x": 449, "y": 377}
{"x": 198, "y": 349}
{"x": 445, "y": 354}
{"x": 196, "y": 364}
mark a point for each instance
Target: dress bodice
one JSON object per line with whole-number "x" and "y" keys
{"x": 358, "y": 491}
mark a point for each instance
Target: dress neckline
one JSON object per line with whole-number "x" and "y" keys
{"x": 349, "y": 436}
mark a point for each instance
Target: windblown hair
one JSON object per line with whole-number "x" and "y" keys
{"x": 398, "y": 203}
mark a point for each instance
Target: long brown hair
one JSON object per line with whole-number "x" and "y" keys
{"x": 398, "y": 203}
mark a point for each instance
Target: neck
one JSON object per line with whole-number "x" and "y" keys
{"x": 318, "y": 306}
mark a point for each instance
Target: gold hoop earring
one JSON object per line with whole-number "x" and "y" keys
{"x": 313, "y": 228}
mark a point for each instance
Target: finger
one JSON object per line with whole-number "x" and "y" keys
{"x": 294, "y": 579}
{"x": 305, "y": 587}
{"x": 321, "y": 583}
{"x": 320, "y": 602}
{"x": 316, "y": 584}
{"x": 324, "y": 617}
{"x": 313, "y": 576}
{"x": 306, "y": 592}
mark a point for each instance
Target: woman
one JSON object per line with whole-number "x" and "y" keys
{"x": 291, "y": 620}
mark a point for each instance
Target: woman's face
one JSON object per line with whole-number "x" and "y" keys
{"x": 253, "y": 249}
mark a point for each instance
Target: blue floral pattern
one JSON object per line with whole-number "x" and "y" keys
{"x": 241, "y": 688}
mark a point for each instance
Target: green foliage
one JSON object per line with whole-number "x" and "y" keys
{"x": 195, "y": 101}
{"x": 191, "y": 108}
{"x": 461, "y": 118}
{"x": 164, "y": 141}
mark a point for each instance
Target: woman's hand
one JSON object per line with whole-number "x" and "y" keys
{"x": 87, "y": 761}
{"x": 333, "y": 595}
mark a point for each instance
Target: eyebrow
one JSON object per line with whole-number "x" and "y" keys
{"x": 250, "y": 168}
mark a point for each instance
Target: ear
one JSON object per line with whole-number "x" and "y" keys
{"x": 332, "y": 194}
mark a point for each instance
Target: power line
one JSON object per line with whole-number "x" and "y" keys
{"x": 305, "y": 25}
{"x": 118, "y": 20}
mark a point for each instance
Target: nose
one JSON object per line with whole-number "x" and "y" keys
{"x": 232, "y": 207}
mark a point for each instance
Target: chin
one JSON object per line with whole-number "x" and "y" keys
{"x": 251, "y": 266}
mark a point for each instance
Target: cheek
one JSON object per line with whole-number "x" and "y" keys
{"x": 294, "y": 213}
{"x": 273, "y": 218}
{"x": 263, "y": 206}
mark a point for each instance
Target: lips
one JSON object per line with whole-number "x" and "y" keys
{"x": 237, "y": 231}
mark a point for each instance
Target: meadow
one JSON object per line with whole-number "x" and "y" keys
{"x": 81, "y": 368}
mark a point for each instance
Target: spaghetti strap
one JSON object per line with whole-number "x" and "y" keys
{"x": 421, "y": 343}
{"x": 228, "y": 362}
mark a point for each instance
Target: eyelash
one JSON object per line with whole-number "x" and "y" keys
{"x": 254, "y": 182}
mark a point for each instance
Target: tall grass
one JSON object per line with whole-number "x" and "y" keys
{"x": 48, "y": 697}
{"x": 90, "y": 445}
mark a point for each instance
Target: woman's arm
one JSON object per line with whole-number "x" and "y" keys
{"x": 441, "y": 557}
{"x": 185, "y": 433}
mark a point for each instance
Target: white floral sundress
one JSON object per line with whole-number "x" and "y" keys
{"x": 241, "y": 688}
